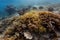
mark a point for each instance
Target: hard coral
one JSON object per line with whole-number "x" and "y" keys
{"x": 34, "y": 25}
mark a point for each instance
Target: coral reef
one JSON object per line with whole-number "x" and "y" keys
{"x": 33, "y": 25}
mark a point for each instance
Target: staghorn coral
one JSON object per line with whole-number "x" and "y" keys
{"x": 33, "y": 25}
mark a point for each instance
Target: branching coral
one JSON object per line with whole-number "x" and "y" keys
{"x": 33, "y": 25}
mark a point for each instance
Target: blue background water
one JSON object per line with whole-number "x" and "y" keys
{"x": 18, "y": 3}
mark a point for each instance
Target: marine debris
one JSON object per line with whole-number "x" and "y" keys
{"x": 33, "y": 25}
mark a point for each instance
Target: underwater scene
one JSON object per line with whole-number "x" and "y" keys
{"x": 29, "y": 19}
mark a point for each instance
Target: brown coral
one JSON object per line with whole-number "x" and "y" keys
{"x": 39, "y": 25}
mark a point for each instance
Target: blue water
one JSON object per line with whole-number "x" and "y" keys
{"x": 19, "y": 3}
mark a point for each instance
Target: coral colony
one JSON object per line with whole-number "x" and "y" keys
{"x": 32, "y": 25}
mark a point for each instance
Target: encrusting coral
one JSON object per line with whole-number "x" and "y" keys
{"x": 33, "y": 25}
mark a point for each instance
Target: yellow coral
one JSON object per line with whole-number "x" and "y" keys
{"x": 30, "y": 21}
{"x": 42, "y": 29}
